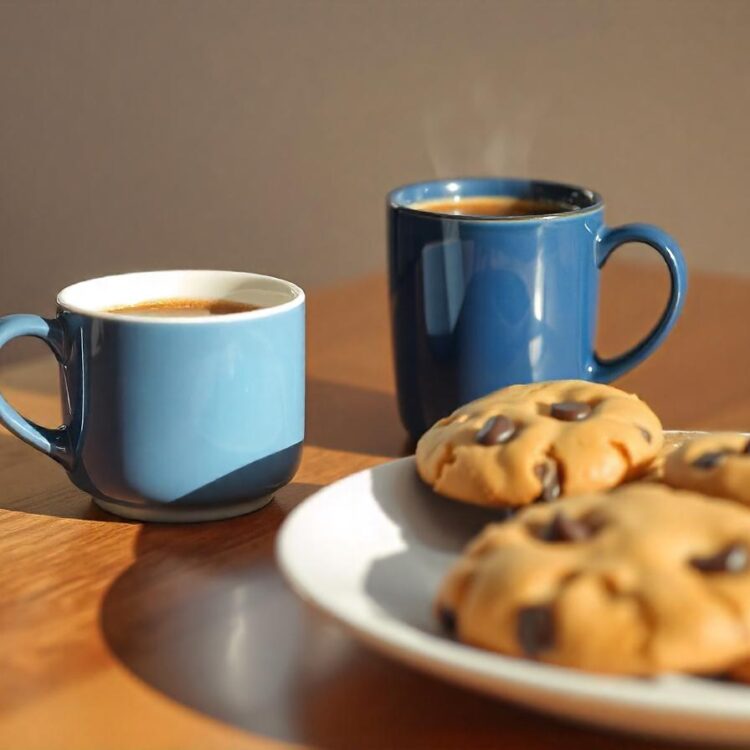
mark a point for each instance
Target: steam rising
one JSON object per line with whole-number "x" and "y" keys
{"x": 482, "y": 131}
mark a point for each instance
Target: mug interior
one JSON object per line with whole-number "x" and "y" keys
{"x": 96, "y": 296}
{"x": 578, "y": 198}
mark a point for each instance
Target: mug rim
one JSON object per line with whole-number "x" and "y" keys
{"x": 444, "y": 184}
{"x": 296, "y": 294}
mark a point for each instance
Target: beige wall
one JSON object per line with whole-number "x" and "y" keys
{"x": 263, "y": 135}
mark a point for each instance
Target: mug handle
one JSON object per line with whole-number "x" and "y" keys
{"x": 55, "y": 443}
{"x": 608, "y": 240}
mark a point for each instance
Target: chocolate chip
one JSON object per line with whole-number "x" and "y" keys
{"x": 447, "y": 619}
{"x": 746, "y": 449}
{"x": 563, "y": 528}
{"x": 646, "y": 434}
{"x": 496, "y": 430}
{"x": 732, "y": 559}
{"x": 594, "y": 520}
{"x": 709, "y": 460}
{"x": 570, "y": 411}
{"x": 536, "y": 630}
{"x": 547, "y": 473}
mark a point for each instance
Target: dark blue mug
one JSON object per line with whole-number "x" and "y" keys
{"x": 482, "y": 302}
{"x": 170, "y": 418}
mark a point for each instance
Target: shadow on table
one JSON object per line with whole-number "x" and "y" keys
{"x": 203, "y": 616}
{"x": 38, "y": 486}
{"x": 350, "y": 418}
{"x": 32, "y": 483}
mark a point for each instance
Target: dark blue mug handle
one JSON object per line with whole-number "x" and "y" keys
{"x": 608, "y": 241}
{"x": 55, "y": 443}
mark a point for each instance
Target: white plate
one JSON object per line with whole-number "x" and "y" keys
{"x": 370, "y": 551}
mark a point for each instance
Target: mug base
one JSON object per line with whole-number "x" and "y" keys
{"x": 182, "y": 513}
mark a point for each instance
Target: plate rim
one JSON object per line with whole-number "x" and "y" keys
{"x": 459, "y": 663}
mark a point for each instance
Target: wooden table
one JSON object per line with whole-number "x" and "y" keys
{"x": 124, "y": 635}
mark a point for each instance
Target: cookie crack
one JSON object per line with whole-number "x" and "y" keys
{"x": 559, "y": 467}
{"x": 551, "y": 474}
{"x": 448, "y": 458}
{"x": 626, "y": 457}
{"x": 647, "y": 616}
{"x": 452, "y": 419}
{"x": 645, "y": 648}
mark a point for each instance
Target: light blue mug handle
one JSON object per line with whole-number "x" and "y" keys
{"x": 608, "y": 240}
{"x": 54, "y": 443}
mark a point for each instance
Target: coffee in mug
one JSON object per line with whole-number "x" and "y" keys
{"x": 184, "y": 308}
{"x": 489, "y": 205}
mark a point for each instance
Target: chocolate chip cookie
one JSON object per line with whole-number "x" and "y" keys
{"x": 642, "y": 580}
{"x": 715, "y": 464}
{"x": 539, "y": 441}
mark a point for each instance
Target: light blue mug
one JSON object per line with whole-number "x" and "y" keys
{"x": 169, "y": 418}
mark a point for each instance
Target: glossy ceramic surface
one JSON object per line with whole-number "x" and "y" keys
{"x": 370, "y": 551}
{"x": 174, "y": 418}
{"x": 478, "y": 303}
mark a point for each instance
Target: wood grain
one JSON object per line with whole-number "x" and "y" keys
{"x": 125, "y": 635}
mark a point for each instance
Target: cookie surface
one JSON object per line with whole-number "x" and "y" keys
{"x": 642, "y": 580}
{"x": 539, "y": 441}
{"x": 716, "y": 464}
